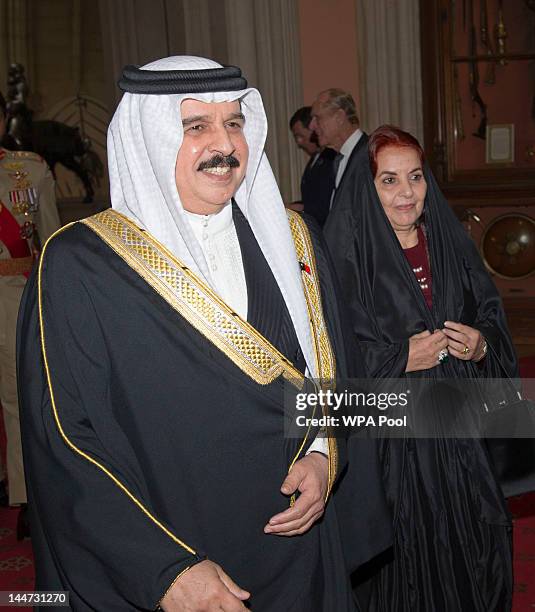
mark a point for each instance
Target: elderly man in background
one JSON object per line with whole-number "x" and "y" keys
{"x": 28, "y": 216}
{"x": 317, "y": 181}
{"x": 171, "y": 328}
{"x": 335, "y": 121}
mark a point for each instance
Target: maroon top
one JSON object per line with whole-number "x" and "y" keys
{"x": 419, "y": 262}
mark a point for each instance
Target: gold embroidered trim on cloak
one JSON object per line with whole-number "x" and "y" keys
{"x": 57, "y": 419}
{"x": 325, "y": 361}
{"x": 201, "y": 307}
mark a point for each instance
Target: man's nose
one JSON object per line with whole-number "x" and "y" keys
{"x": 221, "y": 142}
{"x": 313, "y": 124}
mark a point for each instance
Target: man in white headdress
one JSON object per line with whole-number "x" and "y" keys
{"x": 153, "y": 426}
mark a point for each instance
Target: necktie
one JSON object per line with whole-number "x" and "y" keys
{"x": 336, "y": 165}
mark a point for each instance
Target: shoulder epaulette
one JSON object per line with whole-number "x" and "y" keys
{"x": 26, "y": 155}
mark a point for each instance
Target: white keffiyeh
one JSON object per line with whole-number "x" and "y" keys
{"x": 144, "y": 138}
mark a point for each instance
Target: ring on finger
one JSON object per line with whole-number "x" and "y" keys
{"x": 466, "y": 350}
{"x": 443, "y": 356}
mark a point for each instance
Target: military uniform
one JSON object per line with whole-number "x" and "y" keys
{"x": 28, "y": 214}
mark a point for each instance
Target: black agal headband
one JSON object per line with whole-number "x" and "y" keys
{"x": 137, "y": 81}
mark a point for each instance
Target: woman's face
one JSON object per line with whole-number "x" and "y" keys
{"x": 401, "y": 186}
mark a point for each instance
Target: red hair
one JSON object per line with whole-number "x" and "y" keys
{"x": 391, "y": 136}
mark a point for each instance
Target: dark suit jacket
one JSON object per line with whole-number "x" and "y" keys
{"x": 317, "y": 184}
{"x": 338, "y": 227}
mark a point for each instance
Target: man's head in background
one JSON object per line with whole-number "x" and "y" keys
{"x": 304, "y": 137}
{"x": 334, "y": 117}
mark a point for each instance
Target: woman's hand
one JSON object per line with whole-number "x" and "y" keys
{"x": 464, "y": 342}
{"x": 424, "y": 349}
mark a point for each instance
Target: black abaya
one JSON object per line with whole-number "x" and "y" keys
{"x": 452, "y": 529}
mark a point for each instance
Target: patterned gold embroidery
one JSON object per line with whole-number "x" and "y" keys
{"x": 305, "y": 254}
{"x": 193, "y": 299}
{"x": 325, "y": 361}
{"x": 16, "y": 166}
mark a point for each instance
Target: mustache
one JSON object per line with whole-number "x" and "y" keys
{"x": 219, "y": 160}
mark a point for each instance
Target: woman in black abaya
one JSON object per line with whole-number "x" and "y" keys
{"x": 423, "y": 306}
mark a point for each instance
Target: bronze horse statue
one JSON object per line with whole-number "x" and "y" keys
{"x": 59, "y": 143}
{"x": 56, "y": 142}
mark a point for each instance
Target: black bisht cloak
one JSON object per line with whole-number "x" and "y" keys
{"x": 197, "y": 442}
{"x": 452, "y": 528}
